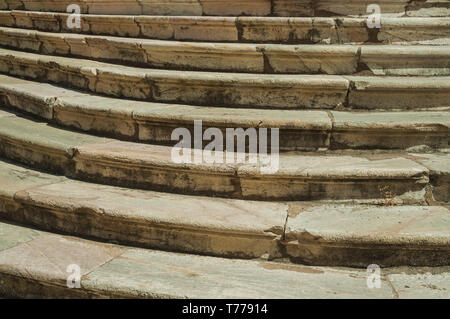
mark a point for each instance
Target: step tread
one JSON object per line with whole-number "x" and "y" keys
{"x": 223, "y": 227}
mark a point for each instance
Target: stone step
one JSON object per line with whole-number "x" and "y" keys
{"x": 308, "y": 233}
{"x": 299, "y": 130}
{"x": 361, "y": 176}
{"x": 304, "y": 30}
{"x": 236, "y": 7}
{"x": 231, "y": 89}
{"x": 34, "y": 264}
{"x": 248, "y": 58}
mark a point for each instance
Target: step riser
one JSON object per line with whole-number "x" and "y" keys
{"x": 247, "y": 58}
{"x": 242, "y": 29}
{"x": 227, "y": 89}
{"x": 246, "y": 7}
{"x": 310, "y": 254}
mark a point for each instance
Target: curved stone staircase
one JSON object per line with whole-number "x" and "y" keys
{"x": 86, "y": 172}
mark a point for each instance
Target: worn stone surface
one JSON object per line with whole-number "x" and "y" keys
{"x": 207, "y": 277}
{"x": 406, "y": 60}
{"x": 329, "y": 235}
{"x": 158, "y": 220}
{"x": 427, "y": 284}
{"x": 12, "y": 235}
{"x": 47, "y": 257}
{"x": 350, "y": 177}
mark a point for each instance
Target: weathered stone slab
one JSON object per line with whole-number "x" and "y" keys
{"x": 360, "y": 236}
{"x": 204, "y": 56}
{"x": 406, "y": 60}
{"x": 272, "y": 29}
{"x": 31, "y": 97}
{"x": 122, "y": 26}
{"x": 428, "y": 284}
{"x": 6, "y": 18}
{"x": 174, "y": 8}
{"x": 299, "y": 130}
{"x": 115, "y": 7}
{"x": 20, "y": 39}
{"x": 439, "y": 166}
{"x": 398, "y": 92}
{"x": 358, "y": 7}
{"x": 202, "y": 225}
{"x": 52, "y": 5}
{"x": 390, "y": 129}
{"x": 16, "y": 178}
{"x": 98, "y": 114}
{"x": 266, "y": 90}
{"x": 413, "y": 29}
{"x": 151, "y": 167}
{"x": 312, "y": 59}
{"x": 289, "y": 8}
{"x": 335, "y": 177}
{"x": 36, "y": 143}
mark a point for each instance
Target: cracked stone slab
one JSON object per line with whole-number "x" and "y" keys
{"x": 426, "y": 284}
{"x": 359, "y": 236}
{"x": 16, "y": 178}
{"x": 12, "y": 235}
{"x": 47, "y": 257}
